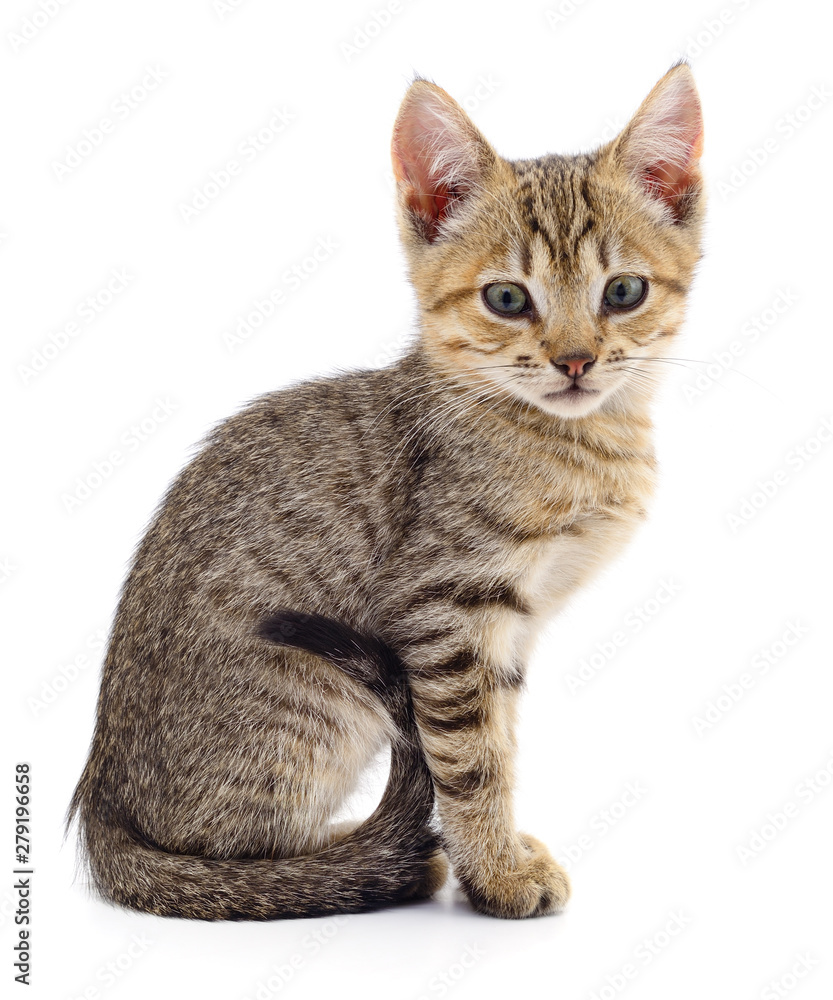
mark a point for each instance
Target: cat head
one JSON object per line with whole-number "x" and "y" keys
{"x": 552, "y": 280}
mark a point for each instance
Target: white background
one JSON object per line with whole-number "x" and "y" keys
{"x": 734, "y": 578}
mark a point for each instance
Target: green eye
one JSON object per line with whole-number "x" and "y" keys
{"x": 505, "y": 298}
{"x": 625, "y": 291}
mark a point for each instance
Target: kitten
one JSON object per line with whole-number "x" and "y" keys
{"x": 368, "y": 558}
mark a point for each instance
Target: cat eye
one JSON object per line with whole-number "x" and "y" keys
{"x": 625, "y": 291}
{"x": 506, "y": 299}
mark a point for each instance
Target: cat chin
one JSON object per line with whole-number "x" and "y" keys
{"x": 567, "y": 404}
{"x": 572, "y": 407}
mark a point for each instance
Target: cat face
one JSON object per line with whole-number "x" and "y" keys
{"x": 551, "y": 280}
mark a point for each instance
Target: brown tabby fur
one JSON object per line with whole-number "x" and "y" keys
{"x": 368, "y": 559}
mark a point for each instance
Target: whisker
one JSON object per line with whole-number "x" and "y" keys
{"x": 432, "y": 384}
{"x": 441, "y": 416}
{"x": 684, "y": 363}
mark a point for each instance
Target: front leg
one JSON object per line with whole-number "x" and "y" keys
{"x": 465, "y": 703}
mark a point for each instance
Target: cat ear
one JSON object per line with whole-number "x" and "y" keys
{"x": 439, "y": 157}
{"x": 661, "y": 146}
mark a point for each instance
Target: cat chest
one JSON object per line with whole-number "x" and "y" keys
{"x": 566, "y": 561}
{"x": 545, "y": 573}
{"x": 549, "y": 569}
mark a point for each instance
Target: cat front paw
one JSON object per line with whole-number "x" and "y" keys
{"x": 535, "y": 886}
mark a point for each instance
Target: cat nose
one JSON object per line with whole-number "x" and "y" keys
{"x": 574, "y": 365}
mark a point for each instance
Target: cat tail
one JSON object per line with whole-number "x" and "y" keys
{"x": 392, "y": 857}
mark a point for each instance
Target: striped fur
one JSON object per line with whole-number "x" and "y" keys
{"x": 422, "y": 522}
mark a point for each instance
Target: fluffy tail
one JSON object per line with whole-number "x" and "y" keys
{"x": 391, "y": 857}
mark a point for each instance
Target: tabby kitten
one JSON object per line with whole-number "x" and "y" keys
{"x": 368, "y": 558}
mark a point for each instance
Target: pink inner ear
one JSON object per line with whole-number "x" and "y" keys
{"x": 433, "y": 158}
{"x": 425, "y": 194}
{"x": 668, "y": 179}
{"x": 666, "y": 140}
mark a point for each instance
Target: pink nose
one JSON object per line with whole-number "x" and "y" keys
{"x": 574, "y": 366}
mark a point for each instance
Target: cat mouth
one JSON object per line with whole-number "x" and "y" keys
{"x": 574, "y": 391}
